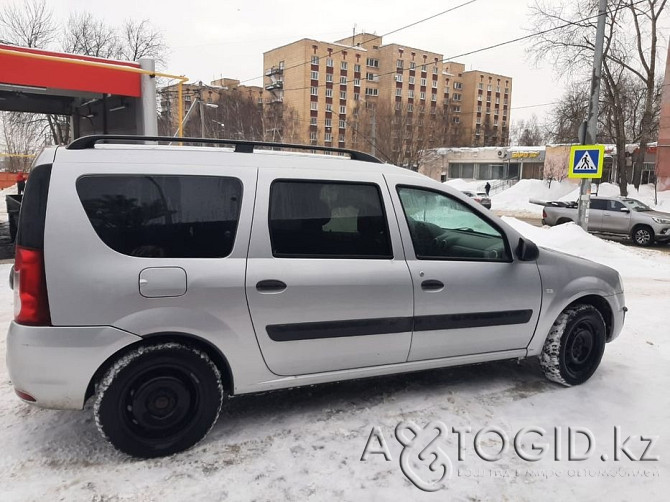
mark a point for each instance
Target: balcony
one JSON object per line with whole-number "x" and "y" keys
{"x": 275, "y": 85}
{"x": 275, "y": 70}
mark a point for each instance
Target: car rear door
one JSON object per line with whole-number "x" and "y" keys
{"x": 471, "y": 295}
{"x": 327, "y": 283}
{"x": 614, "y": 219}
{"x": 596, "y": 209}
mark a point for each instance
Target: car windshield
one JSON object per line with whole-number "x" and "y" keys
{"x": 635, "y": 205}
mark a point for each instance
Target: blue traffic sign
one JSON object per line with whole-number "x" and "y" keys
{"x": 586, "y": 161}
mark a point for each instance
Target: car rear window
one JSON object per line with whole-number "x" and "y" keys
{"x": 163, "y": 216}
{"x": 33, "y": 209}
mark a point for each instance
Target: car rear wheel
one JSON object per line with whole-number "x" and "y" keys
{"x": 158, "y": 400}
{"x": 643, "y": 235}
{"x": 561, "y": 221}
{"x": 574, "y": 346}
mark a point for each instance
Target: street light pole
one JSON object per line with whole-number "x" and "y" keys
{"x": 592, "y": 118}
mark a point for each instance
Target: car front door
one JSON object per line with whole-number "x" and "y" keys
{"x": 614, "y": 219}
{"x": 327, "y": 282}
{"x": 470, "y": 294}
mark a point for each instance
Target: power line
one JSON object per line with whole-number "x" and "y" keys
{"x": 376, "y": 37}
{"x": 483, "y": 49}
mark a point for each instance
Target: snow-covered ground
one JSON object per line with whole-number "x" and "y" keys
{"x": 306, "y": 444}
{"x": 514, "y": 200}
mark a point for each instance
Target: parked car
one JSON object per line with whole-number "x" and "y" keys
{"x": 480, "y": 197}
{"x": 160, "y": 280}
{"x": 616, "y": 216}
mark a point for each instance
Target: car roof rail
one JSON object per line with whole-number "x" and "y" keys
{"x": 241, "y": 146}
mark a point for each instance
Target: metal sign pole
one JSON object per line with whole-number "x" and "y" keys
{"x": 592, "y": 119}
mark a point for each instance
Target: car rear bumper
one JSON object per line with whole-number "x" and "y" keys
{"x": 54, "y": 365}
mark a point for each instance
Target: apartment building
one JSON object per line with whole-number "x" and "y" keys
{"x": 333, "y": 86}
{"x": 487, "y": 98}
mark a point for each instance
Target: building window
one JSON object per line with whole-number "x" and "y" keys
{"x": 506, "y": 90}
{"x": 497, "y": 100}
{"x": 343, "y": 80}
{"x": 314, "y": 75}
{"x": 312, "y": 121}
{"x": 457, "y": 120}
{"x": 329, "y": 93}
{"x": 423, "y": 95}
{"x": 399, "y": 63}
{"x": 479, "y": 120}
{"x": 488, "y": 87}
{"x": 457, "y": 97}
{"x": 371, "y": 91}
{"x": 370, "y": 76}
{"x": 434, "y": 84}
{"x": 329, "y": 107}
{"x": 357, "y": 96}
{"x": 343, "y": 124}
{"x": 329, "y": 122}
{"x": 497, "y": 88}
{"x": 479, "y": 98}
{"x": 357, "y": 81}
{"x": 343, "y": 65}
{"x": 411, "y": 80}
{"x": 374, "y": 63}
{"x": 410, "y": 93}
{"x": 343, "y": 109}
{"x": 328, "y": 137}
{"x": 314, "y": 106}
{"x": 329, "y": 62}
{"x": 412, "y": 65}
{"x": 479, "y": 108}
{"x": 459, "y": 85}
{"x": 398, "y": 77}
{"x": 423, "y": 82}
{"x": 343, "y": 95}
{"x": 410, "y": 107}
{"x": 480, "y": 86}
{"x": 456, "y": 109}
{"x": 329, "y": 77}
{"x": 357, "y": 68}
{"x": 435, "y": 70}
{"x": 315, "y": 59}
{"x": 398, "y": 92}
{"x": 314, "y": 91}
{"x": 433, "y": 97}
{"x": 312, "y": 135}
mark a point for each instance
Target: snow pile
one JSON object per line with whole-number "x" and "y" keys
{"x": 460, "y": 184}
{"x": 514, "y": 200}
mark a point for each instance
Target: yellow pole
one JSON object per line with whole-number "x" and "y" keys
{"x": 111, "y": 66}
{"x": 180, "y": 108}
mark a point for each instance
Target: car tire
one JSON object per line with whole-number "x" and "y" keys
{"x": 642, "y": 235}
{"x": 158, "y": 400}
{"x": 575, "y": 345}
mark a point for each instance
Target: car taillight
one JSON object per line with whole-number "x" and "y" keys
{"x": 31, "y": 304}
{"x": 544, "y": 214}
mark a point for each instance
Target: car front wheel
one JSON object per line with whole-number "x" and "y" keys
{"x": 575, "y": 345}
{"x": 158, "y": 400}
{"x": 643, "y": 235}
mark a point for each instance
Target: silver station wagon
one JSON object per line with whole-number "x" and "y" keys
{"x": 161, "y": 280}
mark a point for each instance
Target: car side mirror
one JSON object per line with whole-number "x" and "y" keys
{"x": 624, "y": 210}
{"x": 527, "y": 250}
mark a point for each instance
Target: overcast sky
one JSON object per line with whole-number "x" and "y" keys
{"x": 210, "y": 39}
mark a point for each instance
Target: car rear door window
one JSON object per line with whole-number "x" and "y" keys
{"x": 163, "y": 216}
{"x": 319, "y": 219}
{"x": 598, "y": 204}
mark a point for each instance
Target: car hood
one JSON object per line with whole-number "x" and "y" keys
{"x": 656, "y": 214}
{"x": 567, "y": 267}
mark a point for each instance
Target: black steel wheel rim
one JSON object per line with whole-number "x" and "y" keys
{"x": 581, "y": 349}
{"x": 159, "y": 403}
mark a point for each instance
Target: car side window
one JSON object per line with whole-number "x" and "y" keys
{"x": 615, "y": 205}
{"x": 598, "y": 204}
{"x": 163, "y": 216}
{"x": 444, "y": 228}
{"x": 322, "y": 219}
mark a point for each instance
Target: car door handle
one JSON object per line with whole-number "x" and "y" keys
{"x": 432, "y": 285}
{"x": 270, "y": 286}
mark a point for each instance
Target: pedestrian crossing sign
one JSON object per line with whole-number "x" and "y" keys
{"x": 586, "y": 161}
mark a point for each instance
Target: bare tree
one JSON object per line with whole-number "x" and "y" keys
{"x": 140, "y": 39}
{"x": 84, "y": 34}
{"x": 527, "y": 132}
{"x": 627, "y": 54}
{"x": 563, "y": 122}
{"x": 22, "y": 135}
{"x": 29, "y": 24}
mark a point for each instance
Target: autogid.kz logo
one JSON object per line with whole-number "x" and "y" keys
{"x": 425, "y": 462}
